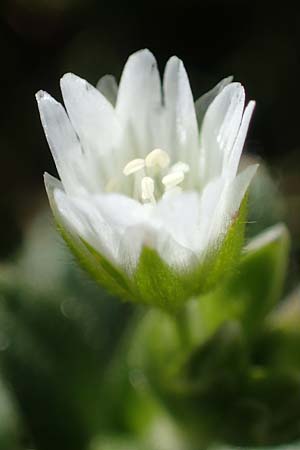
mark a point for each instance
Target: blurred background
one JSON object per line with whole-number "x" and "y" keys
{"x": 50, "y": 395}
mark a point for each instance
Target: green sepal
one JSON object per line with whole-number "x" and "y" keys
{"x": 157, "y": 284}
{"x": 100, "y": 269}
{"x": 253, "y": 289}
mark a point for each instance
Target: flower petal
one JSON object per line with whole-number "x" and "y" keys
{"x": 120, "y": 211}
{"x": 52, "y": 183}
{"x": 96, "y": 124}
{"x": 62, "y": 140}
{"x": 139, "y": 102}
{"x": 181, "y": 123}
{"x": 219, "y": 130}
{"x": 121, "y": 216}
{"x": 179, "y": 215}
{"x": 211, "y": 197}
{"x": 102, "y": 220}
{"x": 231, "y": 165}
{"x": 154, "y": 237}
{"x": 99, "y": 267}
{"x": 230, "y": 201}
{"x": 238, "y": 189}
{"x": 132, "y": 242}
{"x": 157, "y": 267}
{"x": 206, "y": 99}
{"x": 83, "y": 217}
{"x": 108, "y": 86}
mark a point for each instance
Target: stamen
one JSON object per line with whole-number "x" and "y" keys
{"x": 134, "y": 166}
{"x": 157, "y": 157}
{"x": 180, "y": 167}
{"x": 147, "y": 186}
{"x": 150, "y": 170}
{"x": 172, "y": 179}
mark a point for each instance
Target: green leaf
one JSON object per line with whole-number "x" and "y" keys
{"x": 287, "y": 315}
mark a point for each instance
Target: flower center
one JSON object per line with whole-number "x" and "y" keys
{"x": 154, "y": 177}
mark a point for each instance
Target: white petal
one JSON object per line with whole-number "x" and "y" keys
{"x": 169, "y": 228}
{"x": 52, "y": 183}
{"x": 179, "y": 215}
{"x": 233, "y": 161}
{"x": 181, "y": 123}
{"x": 220, "y": 127}
{"x": 120, "y": 211}
{"x": 62, "y": 140}
{"x": 211, "y": 198}
{"x": 177, "y": 256}
{"x": 132, "y": 242}
{"x": 82, "y": 216}
{"x": 205, "y": 100}
{"x": 99, "y": 219}
{"x": 54, "y": 186}
{"x": 108, "y": 86}
{"x": 230, "y": 201}
{"x": 238, "y": 189}
{"x": 95, "y": 122}
{"x": 155, "y": 237}
{"x": 139, "y": 102}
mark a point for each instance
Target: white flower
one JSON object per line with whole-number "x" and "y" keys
{"x": 139, "y": 172}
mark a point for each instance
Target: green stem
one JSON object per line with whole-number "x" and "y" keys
{"x": 182, "y": 324}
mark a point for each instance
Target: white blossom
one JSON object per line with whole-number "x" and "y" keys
{"x": 138, "y": 170}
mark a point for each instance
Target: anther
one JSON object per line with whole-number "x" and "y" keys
{"x": 134, "y": 166}
{"x": 157, "y": 157}
{"x": 172, "y": 179}
{"x": 180, "y": 167}
{"x": 147, "y": 185}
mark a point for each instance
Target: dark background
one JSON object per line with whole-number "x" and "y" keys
{"x": 257, "y": 42}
